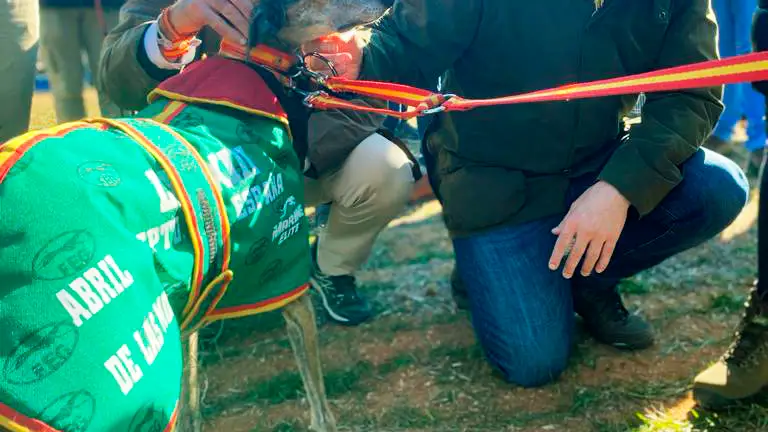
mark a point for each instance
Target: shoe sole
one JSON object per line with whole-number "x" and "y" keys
{"x": 637, "y": 345}
{"x": 710, "y": 400}
{"x": 327, "y": 307}
{"x": 633, "y": 347}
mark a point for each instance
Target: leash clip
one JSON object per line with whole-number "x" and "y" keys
{"x": 310, "y": 96}
{"x": 440, "y": 108}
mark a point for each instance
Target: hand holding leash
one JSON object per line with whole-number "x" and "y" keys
{"x": 228, "y": 18}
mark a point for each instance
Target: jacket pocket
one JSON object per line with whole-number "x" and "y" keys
{"x": 476, "y": 198}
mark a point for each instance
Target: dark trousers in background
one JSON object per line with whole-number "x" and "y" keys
{"x": 762, "y": 233}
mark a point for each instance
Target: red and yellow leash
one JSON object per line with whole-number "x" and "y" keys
{"x": 740, "y": 69}
{"x": 732, "y": 70}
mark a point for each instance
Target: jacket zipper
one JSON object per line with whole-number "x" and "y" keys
{"x": 599, "y": 13}
{"x": 596, "y": 15}
{"x": 577, "y": 110}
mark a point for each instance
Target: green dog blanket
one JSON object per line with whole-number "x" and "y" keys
{"x": 118, "y": 236}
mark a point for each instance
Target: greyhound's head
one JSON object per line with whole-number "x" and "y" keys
{"x": 293, "y": 22}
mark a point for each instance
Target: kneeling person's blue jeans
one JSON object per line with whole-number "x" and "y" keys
{"x": 523, "y": 313}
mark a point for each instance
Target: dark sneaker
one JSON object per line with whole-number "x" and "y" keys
{"x": 459, "y": 291}
{"x": 755, "y": 163}
{"x": 339, "y": 296}
{"x": 608, "y": 321}
{"x": 719, "y": 145}
{"x": 742, "y": 372}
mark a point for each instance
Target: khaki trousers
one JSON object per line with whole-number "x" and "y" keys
{"x": 19, "y": 39}
{"x": 371, "y": 188}
{"x": 65, "y": 33}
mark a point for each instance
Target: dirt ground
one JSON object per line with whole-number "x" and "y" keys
{"x": 417, "y": 366}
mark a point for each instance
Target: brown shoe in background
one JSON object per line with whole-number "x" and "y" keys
{"x": 742, "y": 372}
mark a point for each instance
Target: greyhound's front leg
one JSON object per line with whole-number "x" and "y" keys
{"x": 190, "y": 417}
{"x": 302, "y": 331}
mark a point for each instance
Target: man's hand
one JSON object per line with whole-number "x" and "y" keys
{"x": 189, "y": 16}
{"x": 592, "y": 226}
{"x": 344, "y": 50}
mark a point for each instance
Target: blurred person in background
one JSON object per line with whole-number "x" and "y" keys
{"x": 734, "y": 19}
{"x": 69, "y": 28}
{"x": 19, "y": 37}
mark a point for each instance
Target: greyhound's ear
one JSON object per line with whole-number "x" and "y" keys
{"x": 267, "y": 20}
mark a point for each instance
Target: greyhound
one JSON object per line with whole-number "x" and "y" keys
{"x": 120, "y": 237}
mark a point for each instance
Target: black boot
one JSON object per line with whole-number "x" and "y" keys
{"x": 608, "y": 321}
{"x": 459, "y": 291}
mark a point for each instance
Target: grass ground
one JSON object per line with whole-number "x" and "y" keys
{"x": 417, "y": 367}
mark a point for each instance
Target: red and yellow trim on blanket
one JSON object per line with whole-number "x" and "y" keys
{"x": 215, "y": 189}
{"x": 220, "y": 284}
{"x": 14, "y": 421}
{"x": 225, "y": 82}
{"x": 256, "y": 308}
{"x": 187, "y": 207}
{"x": 169, "y": 112}
{"x": 12, "y": 151}
{"x": 171, "y": 426}
{"x": 220, "y": 102}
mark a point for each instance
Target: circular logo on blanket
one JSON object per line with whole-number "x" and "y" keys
{"x": 148, "y": 419}
{"x": 181, "y": 157}
{"x": 42, "y": 353}
{"x": 64, "y": 256}
{"x": 257, "y": 251}
{"x": 187, "y": 119}
{"x": 99, "y": 173}
{"x": 271, "y": 271}
{"x": 71, "y": 412}
{"x": 247, "y": 132}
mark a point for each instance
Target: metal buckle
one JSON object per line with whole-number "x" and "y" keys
{"x": 440, "y": 108}
{"x": 326, "y": 60}
{"x": 308, "y": 96}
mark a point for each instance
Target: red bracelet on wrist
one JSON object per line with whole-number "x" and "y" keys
{"x": 168, "y": 29}
{"x": 173, "y": 44}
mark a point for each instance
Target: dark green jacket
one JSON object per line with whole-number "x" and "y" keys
{"x": 512, "y": 164}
